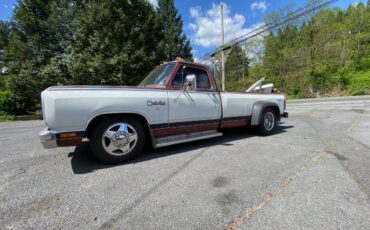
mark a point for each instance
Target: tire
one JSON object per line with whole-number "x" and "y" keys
{"x": 115, "y": 140}
{"x": 268, "y": 122}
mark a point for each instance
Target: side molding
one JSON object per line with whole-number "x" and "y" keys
{"x": 258, "y": 108}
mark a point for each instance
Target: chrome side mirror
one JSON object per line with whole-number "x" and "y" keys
{"x": 190, "y": 83}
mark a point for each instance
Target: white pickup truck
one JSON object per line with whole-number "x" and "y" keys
{"x": 177, "y": 102}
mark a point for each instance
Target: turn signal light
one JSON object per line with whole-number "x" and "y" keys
{"x": 67, "y": 135}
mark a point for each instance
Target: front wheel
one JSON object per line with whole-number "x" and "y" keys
{"x": 116, "y": 140}
{"x": 268, "y": 122}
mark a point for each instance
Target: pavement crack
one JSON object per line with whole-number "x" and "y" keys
{"x": 331, "y": 144}
{"x": 353, "y": 124}
{"x": 250, "y": 210}
{"x": 340, "y": 157}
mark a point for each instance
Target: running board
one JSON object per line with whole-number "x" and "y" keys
{"x": 178, "y": 139}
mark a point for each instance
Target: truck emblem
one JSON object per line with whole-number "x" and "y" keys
{"x": 150, "y": 102}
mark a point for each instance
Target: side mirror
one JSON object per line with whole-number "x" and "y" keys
{"x": 190, "y": 82}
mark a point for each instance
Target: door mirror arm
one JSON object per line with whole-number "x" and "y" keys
{"x": 189, "y": 85}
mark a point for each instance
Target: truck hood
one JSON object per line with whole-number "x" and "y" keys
{"x": 71, "y": 107}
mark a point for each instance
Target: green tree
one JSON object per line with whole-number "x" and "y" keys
{"x": 357, "y": 25}
{"x": 236, "y": 67}
{"x": 37, "y": 49}
{"x": 173, "y": 42}
{"x": 115, "y": 43}
{"x": 4, "y": 34}
{"x": 86, "y": 42}
{"x": 5, "y": 28}
{"x": 320, "y": 54}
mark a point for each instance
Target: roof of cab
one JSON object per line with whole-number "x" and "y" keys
{"x": 193, "y": 63}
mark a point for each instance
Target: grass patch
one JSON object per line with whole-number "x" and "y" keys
{"x": 6, "y": 117}
{"x": 359, "y": 83}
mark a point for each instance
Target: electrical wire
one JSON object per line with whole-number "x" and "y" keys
{"x": 271, "y": 25}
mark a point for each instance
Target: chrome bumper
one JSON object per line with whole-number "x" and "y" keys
{"x": 48, "y": 139}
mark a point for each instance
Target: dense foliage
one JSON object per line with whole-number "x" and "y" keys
{"x": 50, "y": 42}
{"x": 172, "y": 43}
{"x": 325, "y": 53}
{"x": 236, "y": 68}
{"x": 84, "y": 42}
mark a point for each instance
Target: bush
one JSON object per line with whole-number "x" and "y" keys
{"x": 5, "y": 117}
{"x": 359, "y": 83}
{"x": 6, "y": 103}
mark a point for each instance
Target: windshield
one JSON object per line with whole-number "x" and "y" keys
{"x": 158, "y": 76}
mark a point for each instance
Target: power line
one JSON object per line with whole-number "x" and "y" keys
{"x": 271, "y": 25}
{"x": 264, "y": 26}
{"x": 289, "y": 19}
{"x": 310, "y": 4}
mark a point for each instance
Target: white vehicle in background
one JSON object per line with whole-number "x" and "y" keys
{"x": 177, "y": 102}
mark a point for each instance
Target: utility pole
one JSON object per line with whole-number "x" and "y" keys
{"x": 222, "y": 49}
{"x": 243, "y": 68}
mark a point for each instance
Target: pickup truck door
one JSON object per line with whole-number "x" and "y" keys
{"x": 193, "y": 110}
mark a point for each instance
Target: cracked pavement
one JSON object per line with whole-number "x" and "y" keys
{"x": 312, "y": 174}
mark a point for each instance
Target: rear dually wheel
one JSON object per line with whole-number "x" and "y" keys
{"x": 268, "y": 122}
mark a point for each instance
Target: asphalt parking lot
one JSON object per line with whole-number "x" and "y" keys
{"x": 313, "y": 173}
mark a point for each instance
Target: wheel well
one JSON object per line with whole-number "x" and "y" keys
{"x": 97, "y": 119}
{"x": 261, "y": 106}
{"x": 276, "y": 110}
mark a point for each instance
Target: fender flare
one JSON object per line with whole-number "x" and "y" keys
{"x": 259, "y": 107}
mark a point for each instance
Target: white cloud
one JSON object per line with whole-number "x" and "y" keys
{"x": 206, "y": 27}
{"x": 195, "y": 12}
{"x": 153, "y": 2}
{"x": 262, "y": 6}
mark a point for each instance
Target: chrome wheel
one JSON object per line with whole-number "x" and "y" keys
{"x": 269, "y": 121}
{"x": 119, "y": 139}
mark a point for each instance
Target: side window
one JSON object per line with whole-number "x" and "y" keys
{"x": 201, "y": 77}
{"x": 202, "y": 80}
{"x": 178, "y": 81}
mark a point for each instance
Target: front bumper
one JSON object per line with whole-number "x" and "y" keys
{"x": 48, "y": 139}
{"x": 285, "y": 115}
{"x": 52, "y": 139}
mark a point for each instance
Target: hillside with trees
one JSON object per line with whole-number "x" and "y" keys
{"x": 83, "y": 42}
{"x": 326, "y": 53}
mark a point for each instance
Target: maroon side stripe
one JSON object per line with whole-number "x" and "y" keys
{"x": 164, "y": 130}
{"x": 170, "y": 131}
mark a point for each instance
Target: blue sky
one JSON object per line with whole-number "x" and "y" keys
{"x": 201, "y": 18}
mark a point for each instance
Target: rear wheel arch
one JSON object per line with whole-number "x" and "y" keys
{"x": 259, "y": 107}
